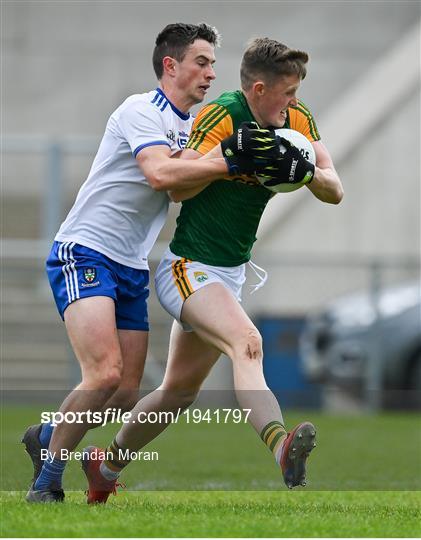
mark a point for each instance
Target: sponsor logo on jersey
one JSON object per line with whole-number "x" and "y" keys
{"x": 89, "y": 274}
{"x": 200, "y": 276}
{"x": 182, "y": 139}
{"x": 171, "y": 135}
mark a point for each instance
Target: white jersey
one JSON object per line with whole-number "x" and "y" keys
{"x": 116, "y": 211}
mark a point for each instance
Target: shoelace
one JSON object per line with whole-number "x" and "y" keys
{"x": 114, "y": 490}
{"x": 263, "y": 276}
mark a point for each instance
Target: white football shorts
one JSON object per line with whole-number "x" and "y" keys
{"x": 177, "y": 278}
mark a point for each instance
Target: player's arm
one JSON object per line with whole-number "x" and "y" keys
{"x": 166, "y": 174}
{"x": 142, "y": 126}
{"x": 150, "y": 147}
{"x": 183, "y": 194}
{"x": 326, "y": 184}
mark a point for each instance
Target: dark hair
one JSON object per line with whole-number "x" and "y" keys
{"x": 267, "y": 59}
{"x": 175, "y": 39}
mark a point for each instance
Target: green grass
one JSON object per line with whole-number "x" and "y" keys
{"x": 219, "y": 480}
{"x": 219, "y": 514}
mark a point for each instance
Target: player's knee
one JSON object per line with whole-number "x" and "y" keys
{"x": 108, "y": 378}
{"x": 249, "y": 346}
{"x": 103, "y": 371}
{"x": 112, "y": 377}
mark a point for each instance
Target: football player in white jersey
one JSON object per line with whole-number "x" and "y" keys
{"x": 98, "y": 267}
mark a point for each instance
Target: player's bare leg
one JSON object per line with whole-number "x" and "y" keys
{"x": 220, "y": 320}
{"x": 90, "y": 323}
{"x": 91, "y": 327}
{"x": 190, "y": 361}
{"x": 133, "y": 346}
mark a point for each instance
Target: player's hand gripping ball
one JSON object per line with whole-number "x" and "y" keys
{"x": 250, "y": 148}
{"x": 294, "y": 168}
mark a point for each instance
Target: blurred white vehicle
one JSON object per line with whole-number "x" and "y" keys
{"x": 339, "y": 341}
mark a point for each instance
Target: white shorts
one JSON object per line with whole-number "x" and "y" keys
{"x": 177, "y": 278}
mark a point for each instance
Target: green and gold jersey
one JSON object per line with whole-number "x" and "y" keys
{"x": 218, "y": 226}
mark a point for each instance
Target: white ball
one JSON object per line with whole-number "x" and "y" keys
{"x": 304, "y": 146}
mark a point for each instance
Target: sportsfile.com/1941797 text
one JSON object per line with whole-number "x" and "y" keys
{"x": 113, "y": 415}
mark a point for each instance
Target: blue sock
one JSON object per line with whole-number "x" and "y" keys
{"x": 51, "y": 474}
{"x": 45, "y": 435}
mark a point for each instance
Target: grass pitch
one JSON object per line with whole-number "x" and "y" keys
{"x": 218, "y": 480}
{"x": 219, "y": 514}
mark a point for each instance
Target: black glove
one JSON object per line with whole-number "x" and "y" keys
{"x": 250, "y": 148}
{"x": 290, "y": 168}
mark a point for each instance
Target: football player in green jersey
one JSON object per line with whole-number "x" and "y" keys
{"x": 200, "y": 277}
